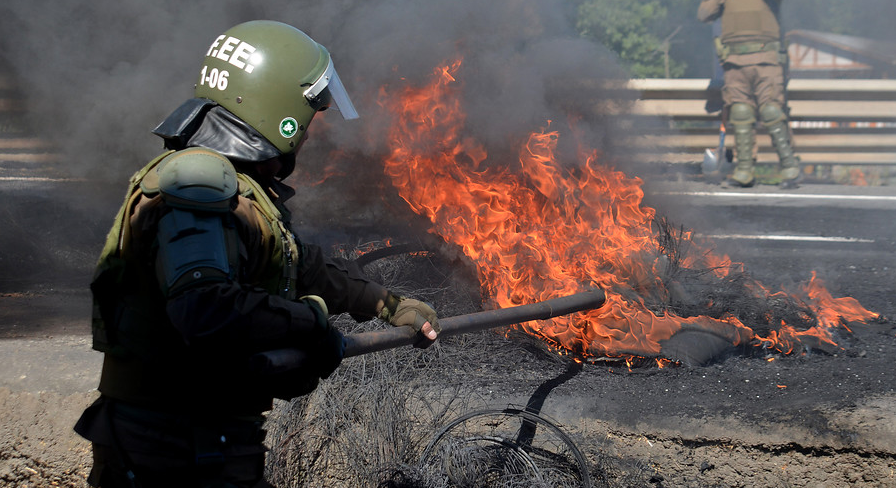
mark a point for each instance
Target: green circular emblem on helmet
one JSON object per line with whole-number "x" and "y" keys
{"x": 288, "y": 127}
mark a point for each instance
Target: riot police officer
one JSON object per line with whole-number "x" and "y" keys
{"x": 201, "y": 272}
{"x": 753, "y": 59}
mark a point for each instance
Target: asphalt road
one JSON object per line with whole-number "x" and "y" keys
{"x": 844, "y": 233}
{"x": 813, "y": 420}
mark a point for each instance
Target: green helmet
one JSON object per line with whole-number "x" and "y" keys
{"x": 274, "y": 78}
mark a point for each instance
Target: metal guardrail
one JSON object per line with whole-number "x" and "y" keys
{"x": 840, "y": 122}
{"x": 845, "y": 122}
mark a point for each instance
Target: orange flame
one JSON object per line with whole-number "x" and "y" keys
{"x": 857, "y": 177}
{"x": 537, "y": 229}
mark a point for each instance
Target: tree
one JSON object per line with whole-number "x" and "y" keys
{"x": 636, "y": 30}
{"x": 640, "y": 31}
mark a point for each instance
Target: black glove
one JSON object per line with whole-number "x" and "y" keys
{"x": 326, "y": 353}
{"x": 289, "y": 385}
{"x": 714, "y": 101}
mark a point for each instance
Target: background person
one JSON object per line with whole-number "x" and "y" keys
{"x": 751, "y": 53}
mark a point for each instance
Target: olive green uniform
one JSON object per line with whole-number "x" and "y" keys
{"x": 176, "y": 373}
{"x": 750, "y": 49}
{"x": 202, "y": 278}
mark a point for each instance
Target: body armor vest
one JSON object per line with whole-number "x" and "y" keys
{"x": 281, "y": 275}
{"x": 146, "y": 360}
{"x": 127, "y": 300}
{"x": 749, "y": 21}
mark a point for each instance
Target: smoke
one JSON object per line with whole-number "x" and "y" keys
{"x": 521, "y": 60}
{"x": 522, "y": 65}
{"x": 872, "y": 19}
{"x": 95, "y": 78}
{"x": 98, "y": 76}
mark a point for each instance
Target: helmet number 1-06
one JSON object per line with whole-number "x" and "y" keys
{"x": 214, "y": 78}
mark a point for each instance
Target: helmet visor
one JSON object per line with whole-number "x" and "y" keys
{"x": 329, "y": 87}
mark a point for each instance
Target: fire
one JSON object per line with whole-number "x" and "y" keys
{"x": 537, "y": 229}
{"x": 857, "y": 177}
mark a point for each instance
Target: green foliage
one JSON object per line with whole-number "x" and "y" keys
{"x": 635, "y": 30}
{"x": 638, "y": 30}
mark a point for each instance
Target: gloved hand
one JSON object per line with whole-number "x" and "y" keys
{"x": 317, "y": 305}
{"x": 327, "y": 352}
{"x": 401, "y": 311}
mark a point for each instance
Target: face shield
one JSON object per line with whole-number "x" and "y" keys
{"x": 329, "y": 89}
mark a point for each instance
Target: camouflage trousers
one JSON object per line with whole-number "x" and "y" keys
{"x": 754, "y": 84}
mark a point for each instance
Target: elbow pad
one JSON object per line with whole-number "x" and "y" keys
{"x": 192, "y": 250}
